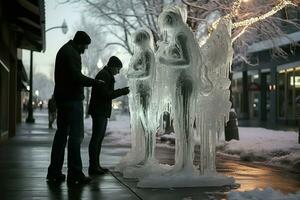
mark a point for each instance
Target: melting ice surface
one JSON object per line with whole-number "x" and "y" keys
{"x": 188, "y": 77}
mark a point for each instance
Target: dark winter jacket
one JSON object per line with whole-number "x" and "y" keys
{"x": 101, "y": 97}
{"x": 69, "y": 81}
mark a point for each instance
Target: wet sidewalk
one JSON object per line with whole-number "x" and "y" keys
{"x": 24, "y": 160}
{"x": 23, "y": 166}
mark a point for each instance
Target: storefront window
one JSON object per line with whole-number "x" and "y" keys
{"x": 281, "y": 107}
{"x": 236, "y": 89}
{"x": 290, "y": 95}
{"x": 254, "y": 94}
{"x": 288, "y": 89}
{"x": 297, "y": 87}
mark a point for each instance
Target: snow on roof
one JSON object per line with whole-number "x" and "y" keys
{"x": 270, "y": 43}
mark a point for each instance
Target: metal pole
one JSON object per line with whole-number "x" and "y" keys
{"x": 54, "y": 28}
{"x": 30, "y": 118}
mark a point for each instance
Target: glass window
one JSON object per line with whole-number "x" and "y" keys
{"x": 253, "y": 93}
{"x": 290, "y": 89}
{"x": 281, "y": 94}
{"x": 297, "y": 86}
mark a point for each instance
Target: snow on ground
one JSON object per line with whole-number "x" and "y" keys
{"x": 266, "y": 194}
{"x": 271, "y": 147}
{"x": 117, "y": 132}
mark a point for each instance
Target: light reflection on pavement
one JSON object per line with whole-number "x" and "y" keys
{"x": 248, "y": 175}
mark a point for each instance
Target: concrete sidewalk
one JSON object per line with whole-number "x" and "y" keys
{"x": 23, "y": 167}
{"x": 24, "y": 160}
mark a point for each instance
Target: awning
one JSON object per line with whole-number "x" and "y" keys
{"x": 28, "y": 19}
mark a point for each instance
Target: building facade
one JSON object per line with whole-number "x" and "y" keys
{"x": 268, "y": 91}
{"x": 22, "y": 25}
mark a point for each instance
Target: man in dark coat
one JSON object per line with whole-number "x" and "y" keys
{"x": 68, "y": 94}
{"x": 100, "y": 109}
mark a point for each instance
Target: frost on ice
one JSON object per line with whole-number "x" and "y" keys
{"x": 140, "y": 75}
{"x": 188, "y": 77}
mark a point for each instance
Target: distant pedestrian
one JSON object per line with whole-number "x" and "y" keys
{"x": 25, "y": 106}
{"x": 100, "y": 109}
{"x": 41, "y": 103}
{"x": 68, "y": 94}
{"x": 51, "y": 111}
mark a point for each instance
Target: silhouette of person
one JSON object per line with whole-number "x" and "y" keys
{"x": 51, "y": 111}
{"x": 100, "y": 109}
{"x": 68, "y": 94}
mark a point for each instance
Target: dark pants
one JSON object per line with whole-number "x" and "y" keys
{"x": 99, "y": 128}
{"x": 69, "y": 123}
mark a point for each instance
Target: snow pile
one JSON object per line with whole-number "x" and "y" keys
{"x": 272, "y": 147}
{"x": 141, "y": 171}
{"x": 266, "y": 194}
{"x": 117, "y": 132}
{"x": 278, "y": 148}
{"x": 169, "y": 138}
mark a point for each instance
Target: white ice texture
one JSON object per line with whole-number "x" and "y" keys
{"x": 188, "y": 76}
{"x": 141, "y": 76}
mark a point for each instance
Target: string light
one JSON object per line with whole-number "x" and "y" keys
{"x": 246, "y": 23}
{"x": 274, "y": 10}
{"x": 235, "y": 8}
{"x": 240, "y": 33}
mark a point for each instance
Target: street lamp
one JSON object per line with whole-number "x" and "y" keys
{"x": 64, "y": 27}
{"x": 30, "y": 119}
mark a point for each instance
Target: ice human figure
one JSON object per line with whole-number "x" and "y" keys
{"x": 196, "y": 71}
{"x": 212, "y": 111}
{"x": 142, "y": 69}
{"x": 140, "y": 74}
{"x": 179, "y": 53}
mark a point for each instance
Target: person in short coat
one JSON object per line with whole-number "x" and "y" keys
{"x": 100, "y": 109}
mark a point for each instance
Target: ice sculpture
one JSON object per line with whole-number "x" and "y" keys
{"x": 197, "y": 71}
{"x": 212, "y": 111}
{"x": 180, "y": 55}
{"x": 140, "y": 74}
{"x": 190, "y": 74}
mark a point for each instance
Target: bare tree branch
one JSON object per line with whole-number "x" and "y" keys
{"x": 123, "y": 17}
